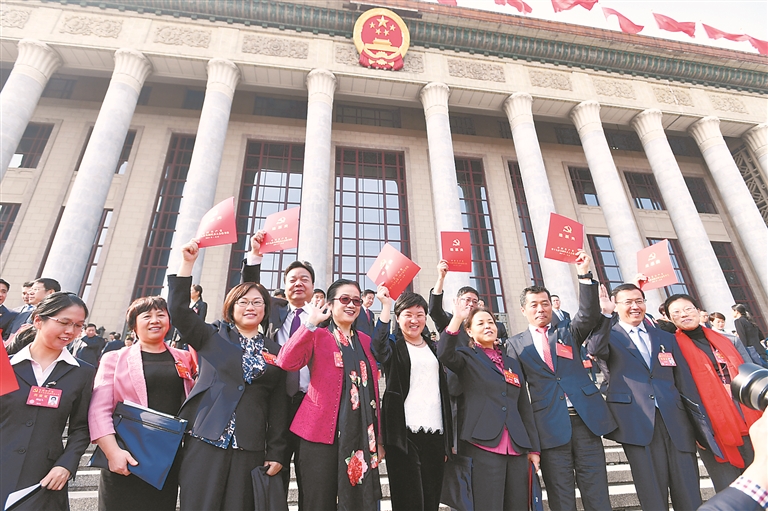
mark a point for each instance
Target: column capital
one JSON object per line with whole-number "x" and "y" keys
{"x": 223, "y": 76}
{"x": 757, "y": 139}
{"x": 131, "y": 67}
{"x": 321, "y": 85}
{"x": 648, "y": 125}
{"x": 434, "y": 98}
{"x": 706, "y": 132}
{"x": 37, "y": 59}
{"x": 518, "y": 108}
{"x": 586, "y": 117}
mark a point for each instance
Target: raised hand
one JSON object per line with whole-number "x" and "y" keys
{"x": 640, "y": 280}
{"x": 607, "y": 306}
{"x": 382, "y": 293}
{"x": 256, "y": 241}
{"x": 442, "y": 268}
{"x": 316, "y": 315}
{"x": 582, "y": 262}
{"x": 189, "y": 253}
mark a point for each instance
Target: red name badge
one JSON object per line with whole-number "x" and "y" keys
{"x": 337, "y": 360}
{"x": 565, "y": 351}
{"x": 183, "y": 371}
{"x": 719, "y": 357}
{"x": 587, "y": 364}
{"x": 269, "y": 358}
{"x": 44, "y": 396}
{"x": 511, "y": 378}
{"x": 667, "y": 360}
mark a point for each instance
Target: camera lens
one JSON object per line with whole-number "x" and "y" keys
{"x": 750, "y": 387}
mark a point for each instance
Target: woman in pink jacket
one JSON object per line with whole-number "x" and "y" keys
{"x": 338, "y": 421}
{"x": 148, "y": 373}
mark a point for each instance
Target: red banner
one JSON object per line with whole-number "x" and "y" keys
{"x": 8, "y": 381}
{"x": 656, "y": 264}
{"x": 565, "y": 238}
{"x": 393, "y": 270}
{"x": 714, "y": 33}
{"x": 670, "y": 25}
{"x": 282, "y": 231}
{"x": 564, "y": 5}
{"x": 625, "y": 24}
{"x": 218, "y": 225}
{"x": 457, "y": 250}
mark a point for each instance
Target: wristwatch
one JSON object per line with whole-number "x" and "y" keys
{"x": 586, "y": 276}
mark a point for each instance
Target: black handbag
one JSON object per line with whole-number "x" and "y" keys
{"x": 702, "y": 427}
{"x": 153, "y": 439}
{"x": 457, "y": 483}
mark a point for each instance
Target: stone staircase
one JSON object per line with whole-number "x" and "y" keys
{"x": 83, "y": 490}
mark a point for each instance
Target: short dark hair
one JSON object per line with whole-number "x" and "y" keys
{"x": 533, "y": 290}
{"x": 48, "y": 284}
{"x": 318, "y": 290}
{"x": 553, "y": 296}
{"x": 7, "y": 285}
{"x": 408, "y": 300}
{"x": 57, "y": 302}
{"x": 89, "y": 325}
{"x": 28, "y": 283}
{"x": 279, "y": 293}
{"x": 142, "y": 305}
{"x": 300, "y": 264}
{"x": 240, "y": 291}
{"x": 467, "y": 289}
{"x": 626, "y": 287}
{"x": 474, "y": 312}
{"x": 118, "y": 336}
{"x": 333, "y": 289}
{"x": 199, "y": 289}
{"x": 679, "y": 296}
{"x": 369, "y": 292}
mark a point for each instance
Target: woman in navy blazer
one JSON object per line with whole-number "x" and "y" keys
{"x": 32, "y": 451}
{"x": 238, "y": 408}
{"x": 497, "y": 427}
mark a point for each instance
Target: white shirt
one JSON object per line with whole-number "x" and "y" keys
{"x": 639, "y": 338}
{"x": 282, "y": 337}
{"x": 423, "y": 409}
{"x": 41, "y": 375}
{"x": 537, "y": 343}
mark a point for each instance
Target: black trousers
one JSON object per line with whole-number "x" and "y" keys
{"x": 215, "y": 479}
{"x": 723, "y": 474}
{"x": 128, "y": 493}
{"x": 499, "y": 481}
{"x": 416, "y": 477}
{"x": 584, "y": 457}
{"x": 293, "y": 448}
{"x": 659, "y": 469}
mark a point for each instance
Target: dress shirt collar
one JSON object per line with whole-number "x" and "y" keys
{"x": 535, "y": 333}
{"x": 628, "y": 328}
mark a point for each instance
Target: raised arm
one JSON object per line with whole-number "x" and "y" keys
{"x": 193, "y": 329}
{"x": 250, "y": 269}
{"x": 588, "y": 315}
{"x": 380, "y": 345}
{"x": 449, "y": 341}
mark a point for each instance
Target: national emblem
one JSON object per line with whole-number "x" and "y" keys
{"x": 382, "y": 39}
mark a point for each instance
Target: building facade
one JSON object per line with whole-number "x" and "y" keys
{"x": 122, "y": 123}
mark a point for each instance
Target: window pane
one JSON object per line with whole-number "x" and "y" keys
{"x": 532, "y": 255}
{"x": 606, "y": 264}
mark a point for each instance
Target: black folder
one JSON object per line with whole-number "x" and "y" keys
{"x": 702, "y": 428}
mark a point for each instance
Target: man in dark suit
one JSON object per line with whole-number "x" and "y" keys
{"x": 40, "y": 288}
{"x": 90, "y": 346}
{"x": 648, "y": 376}
{"x": 570, "y": 413}
{"x": 366, "y": 320}
{"x": 559, "y": 315}
{"x": 6, "y": 316}
{"x": 114, "y": 345}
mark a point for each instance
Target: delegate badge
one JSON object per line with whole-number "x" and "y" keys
{"x": 511, "y": 378}
{"x": 44, "y": 396}
{"x": 563, "y": 350}
{"x": 382, "y": 39}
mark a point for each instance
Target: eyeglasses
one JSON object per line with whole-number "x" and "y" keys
{"x": 688, "y": 311}
{"x": 470, "y": 301}
{"x": 67, "y": 323}
{"x": 630, "y": 303}
{"x": 245, "y": 303}
{"x": 344, "y": 299}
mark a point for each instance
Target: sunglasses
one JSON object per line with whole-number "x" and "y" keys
{"x": 344, "y": 299}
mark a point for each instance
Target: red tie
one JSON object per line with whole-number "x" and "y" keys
{"x": 368, "y": 313}
{"x": 545, "y": 347}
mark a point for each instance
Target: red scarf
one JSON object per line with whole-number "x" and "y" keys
{"x": 728, "y": 426}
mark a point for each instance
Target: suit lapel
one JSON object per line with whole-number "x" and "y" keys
{"x": 655, "y": 347}
{"x": 480, "y": 354}
{"x": 628, "y": 343}
{"x": 553, "y": 336}
{"x": 58, "y": 372}
{"x": 24, "y": 371}
{"x": 529, "y": 349}
{"x": 136, "y": 373}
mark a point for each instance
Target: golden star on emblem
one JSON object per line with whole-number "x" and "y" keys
{"x": 382, "y": 21}
{"x": 386, "y": 32}
{"x": 372, "y": 25}
{"x": 378, "y": 31}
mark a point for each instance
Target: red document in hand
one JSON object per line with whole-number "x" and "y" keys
{"x": 565, "y": 238}
{"x": 457, "y": 250}
{"x": 282, "y": 231}
{"x": 393, "y": 270}
{"x": 656, "y": 264}
{"x": 218, "y": 225}
{"x": 8, "y": 381}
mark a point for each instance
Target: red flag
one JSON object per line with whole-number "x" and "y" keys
{"x": 282, "y": 231}
{"x": 500, "y": 2}
{"x": 564, "y": 5}
{"x": 447, "y": 2}
{"x": 218, "y": 226}
{"x": 670, "y": 25}
{"x": 758, "y": 44}
{"x": 457, "y": 250}
{"x": 565, "y": 238}
{"x": 626, "y": 26}
{"x": 8, "y": 382}
{"x": 520, "y": 6}
{"x": 393, "y": 269}
{"x": 714, "y": 33}
{"x": 656, "y": 264}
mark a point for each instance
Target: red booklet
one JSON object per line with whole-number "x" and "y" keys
{"x": 457, "y": 250}
{"x": 282, "y": 231}
{"x": 8, "y": 381}
{"x": 565, "y": 238}
{"x": 218, "y": 225}
{"x": 656, "y": 264}
{"x": 393, "y": 270}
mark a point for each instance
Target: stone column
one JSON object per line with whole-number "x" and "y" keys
{"x": 557, "y": 275}
{"x": 442, "y": 170}
{"x": 619, "y": 218}
{"x": 757, "y": 140}
{"x": 79, "y": 225}
{"x": 738, "y": 200}
{"x": 702, "y": 262}
{"x": 203, "y": 174}
{"x": 34, "y": 66}
{"x": 316, "y": 226}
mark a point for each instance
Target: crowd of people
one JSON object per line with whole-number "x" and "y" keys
{"x": 294, "y": 377}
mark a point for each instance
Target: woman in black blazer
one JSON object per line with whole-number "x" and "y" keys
{"x": 416, "y": 411}
{"x": 497, "y": 428}
{"x": 238, "y": 408}
{"x": 196, "y": 301}
{"x": 32, "y": 451}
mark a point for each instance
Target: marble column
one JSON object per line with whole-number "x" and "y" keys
{"x": 203, "y": 174}
{"x": 34, "y": 66}
{"x": 702, "y": 262}
{"x": 745, "y": 216}
{"x": 71, "y": 248}
{"x": 619, "y": 217}
{"x": 557, "y": 275}
{"x": 442, "y": 170}
{"x": 316, "y": 225}
{"x": 757, "y": 140}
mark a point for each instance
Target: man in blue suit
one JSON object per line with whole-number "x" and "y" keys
{"x": 568, "y": 409}
{"x": 648, "y": 377}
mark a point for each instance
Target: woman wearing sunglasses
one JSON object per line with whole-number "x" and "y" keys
{"x": 238, "y": 408}
{"x": 337, "y": 423}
